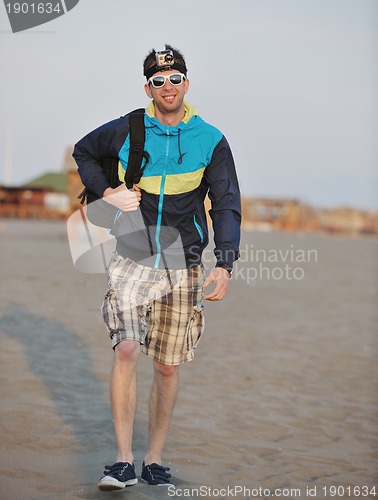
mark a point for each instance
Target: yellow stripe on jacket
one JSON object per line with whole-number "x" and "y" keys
{"x": 174, "y": 183}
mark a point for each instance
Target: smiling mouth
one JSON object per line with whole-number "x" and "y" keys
{"x": 169, "y": 98}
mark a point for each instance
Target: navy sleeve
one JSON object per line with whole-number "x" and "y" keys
{"x": 103, "y": 142}
{"x": 225, "y": 211}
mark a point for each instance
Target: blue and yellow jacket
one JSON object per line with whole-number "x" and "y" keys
{"x": 185, "y": 163}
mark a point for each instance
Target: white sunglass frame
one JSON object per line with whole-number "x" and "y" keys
{"x": 150, "y": 80}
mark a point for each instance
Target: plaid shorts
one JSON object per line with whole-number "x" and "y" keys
{"x": 162, "y": 310}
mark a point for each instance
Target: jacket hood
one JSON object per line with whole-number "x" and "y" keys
{"x": 191, "y": 119}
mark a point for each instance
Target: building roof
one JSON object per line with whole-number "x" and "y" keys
{"x": 55, "y": 181}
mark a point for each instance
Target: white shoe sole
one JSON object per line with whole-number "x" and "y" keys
{"x": 109, "y": 483}
{"x": 160, "y": 484}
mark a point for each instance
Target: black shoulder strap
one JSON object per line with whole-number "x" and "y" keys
{"x": 137, "y": 137}
{"x": 134, "y": 171}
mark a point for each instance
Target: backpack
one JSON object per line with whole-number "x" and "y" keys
{"x": 99, "y": 212}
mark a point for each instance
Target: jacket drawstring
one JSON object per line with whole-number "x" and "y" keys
{"x": 179, "y": 148}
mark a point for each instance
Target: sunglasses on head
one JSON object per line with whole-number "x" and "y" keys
{"x": 159, "y": 81}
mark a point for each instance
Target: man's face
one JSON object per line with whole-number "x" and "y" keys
{"x": 168, "y": 98}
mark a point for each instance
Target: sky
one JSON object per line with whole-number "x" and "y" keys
{"x": 292, "y": 84}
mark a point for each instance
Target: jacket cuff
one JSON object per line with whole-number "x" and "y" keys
{"x": 226, "y": 258}
{"x": 224, "y": 266}
{"x": 100, "y": 188}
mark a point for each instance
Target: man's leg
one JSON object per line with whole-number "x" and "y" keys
{"x": 123, "y": 393}
{"x": 162, "y": 402}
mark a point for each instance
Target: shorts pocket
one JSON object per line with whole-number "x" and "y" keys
{"x": 195, "y": 328}
{"x": 109, "y": 312}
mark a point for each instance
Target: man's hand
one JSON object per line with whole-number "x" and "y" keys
{"x": 220, "y": 277}
{"x": 125, "y": 199}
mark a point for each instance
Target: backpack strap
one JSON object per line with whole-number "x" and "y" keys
{"x": 134, "y": 170}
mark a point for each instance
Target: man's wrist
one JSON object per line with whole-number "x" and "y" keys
{"x": 226, "y": 267}
{"x": 107, "y": 191}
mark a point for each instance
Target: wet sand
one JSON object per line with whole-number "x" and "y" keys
{"x": 282, "y": 392}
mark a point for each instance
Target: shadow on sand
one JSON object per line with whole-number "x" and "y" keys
{"x": 60, "y": 360}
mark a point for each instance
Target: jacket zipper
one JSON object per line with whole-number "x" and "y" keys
{"x": 198, "y": 227}
{"x": 160, "y": 205}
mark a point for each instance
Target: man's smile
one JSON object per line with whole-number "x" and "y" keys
{"x": 169, "y": 97}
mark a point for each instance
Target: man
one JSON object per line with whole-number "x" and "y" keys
{"x": 159, "y": 306}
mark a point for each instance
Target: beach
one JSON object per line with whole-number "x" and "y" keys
{"x": 281, "y": 396}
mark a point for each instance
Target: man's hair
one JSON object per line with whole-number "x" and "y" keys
{"x": 151, "y": 58}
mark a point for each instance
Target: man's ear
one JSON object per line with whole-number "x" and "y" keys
{"x": 186, "y": 86}
{"x": 148, "y": 90}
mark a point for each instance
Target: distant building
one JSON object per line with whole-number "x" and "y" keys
{"x": 55, "y": 186}
{"x": 55, "y": 195}
{"x": 44, "y": 197}
{"x": 32, "y": 202}
{"x": 267, "y": 214}
{"x": 52, "y": 195}
{"x": 74, "y": 184}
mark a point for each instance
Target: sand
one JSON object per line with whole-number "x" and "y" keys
{"x": 282, "y": 393}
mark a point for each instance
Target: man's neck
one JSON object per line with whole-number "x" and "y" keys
{"x": 170, "y": 119}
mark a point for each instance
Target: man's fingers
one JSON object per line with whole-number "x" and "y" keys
{"x": 207, "y": 281}
{"x": 215, "y": 296}
{"x": 218, "y": 293}
{"x": 220, "y": 277}
{"x": 132, "y": 203}
{"x": 124, "y": 199}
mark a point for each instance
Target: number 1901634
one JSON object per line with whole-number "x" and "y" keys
{"x": 34, "y": 8}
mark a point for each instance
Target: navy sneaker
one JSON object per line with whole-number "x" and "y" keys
{"x": 156, "y": 475}
{"x": 117, "y": 476}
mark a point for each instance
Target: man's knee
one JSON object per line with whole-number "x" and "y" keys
{"x": 127, "y": 351}
{"x": 166, "y": 370}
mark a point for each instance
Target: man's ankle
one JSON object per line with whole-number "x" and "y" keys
{"x": 152, "y": 459}
{"x": 127, "y": 457}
